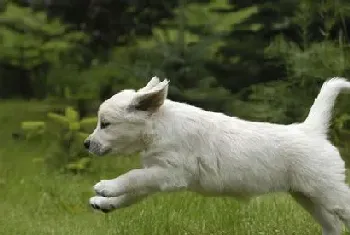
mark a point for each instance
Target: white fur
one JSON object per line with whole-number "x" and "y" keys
{"x": 187, "y": 148}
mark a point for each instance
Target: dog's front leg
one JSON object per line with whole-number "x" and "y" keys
{"x": 108, "y": 204}
{"x": 155, "y": 179}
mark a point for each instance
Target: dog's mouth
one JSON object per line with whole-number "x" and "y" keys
{"x": 99, "y": 150}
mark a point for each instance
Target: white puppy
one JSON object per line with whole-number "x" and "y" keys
{"x": 186, "y": 148}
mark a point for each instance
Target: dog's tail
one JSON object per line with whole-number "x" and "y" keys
{"x": 320, "y": 113}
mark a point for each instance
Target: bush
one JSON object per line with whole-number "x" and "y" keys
{"x": 66, "y": 133}
{"x": 310, "y": 63}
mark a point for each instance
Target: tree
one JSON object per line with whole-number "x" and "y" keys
{"x": 109, "y": 22}
{"x": 242, "y": 59}
{"x": 30, "y": 43}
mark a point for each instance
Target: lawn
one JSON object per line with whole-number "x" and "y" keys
{"x": 35, "y": 201}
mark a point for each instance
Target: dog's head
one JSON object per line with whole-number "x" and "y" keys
{"x": 123, "y": 119}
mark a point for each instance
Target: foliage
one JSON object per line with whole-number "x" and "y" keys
{"x": 241, "y": 58}
{"x": 32, "y": 43}
{"x": 33, "y": 128}
{"x": 309, "y": 63}
{"x": 66, "y": 133}
{"x": 162, "y": 55}
{"x": 180, "y": 51}
{"x": 35, "y": 38}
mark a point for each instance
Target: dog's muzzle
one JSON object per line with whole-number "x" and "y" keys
{"x": 87, "y": 144}
{"x": 96, "y": 148}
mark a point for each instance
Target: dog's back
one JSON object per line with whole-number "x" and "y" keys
{"x": 229, "y": 154}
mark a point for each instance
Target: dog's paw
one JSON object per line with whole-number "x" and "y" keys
{"x": 102, "y": 204}
{"x": 105, "y": 188}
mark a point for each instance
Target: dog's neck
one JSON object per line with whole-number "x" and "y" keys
{"x": 176, "y": 124}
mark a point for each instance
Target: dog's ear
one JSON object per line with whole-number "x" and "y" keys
{"x": 151, "y": 100}
{"x": 152, "y": 83}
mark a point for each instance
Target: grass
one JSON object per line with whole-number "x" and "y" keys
{"x": 34, "y": 201}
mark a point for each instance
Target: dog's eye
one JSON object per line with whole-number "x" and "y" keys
{"x": 105, "y": 125}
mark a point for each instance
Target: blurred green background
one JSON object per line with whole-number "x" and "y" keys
{"x": 59, "y": 59}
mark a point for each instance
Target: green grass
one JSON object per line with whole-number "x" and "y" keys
{"x": 34, "y": 201}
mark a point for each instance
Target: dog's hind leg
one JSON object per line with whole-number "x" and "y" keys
{"x": 331, "y": 225}
{"x": 336, "y": 200}
{"x": 331, "y": 194}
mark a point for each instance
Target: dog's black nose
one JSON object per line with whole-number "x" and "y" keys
{"x": 87, "y": 144}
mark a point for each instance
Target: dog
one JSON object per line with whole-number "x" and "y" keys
{"x": 184, "y": 147}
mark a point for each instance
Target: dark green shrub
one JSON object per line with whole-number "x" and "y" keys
{"x": 312, "y": 62}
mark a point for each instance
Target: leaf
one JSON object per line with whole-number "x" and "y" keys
{"x": 58, "y": 118}
{"x": 71, "y": 114}
{"x": 74, "y": 126}
{"x": 32, "y": 125}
